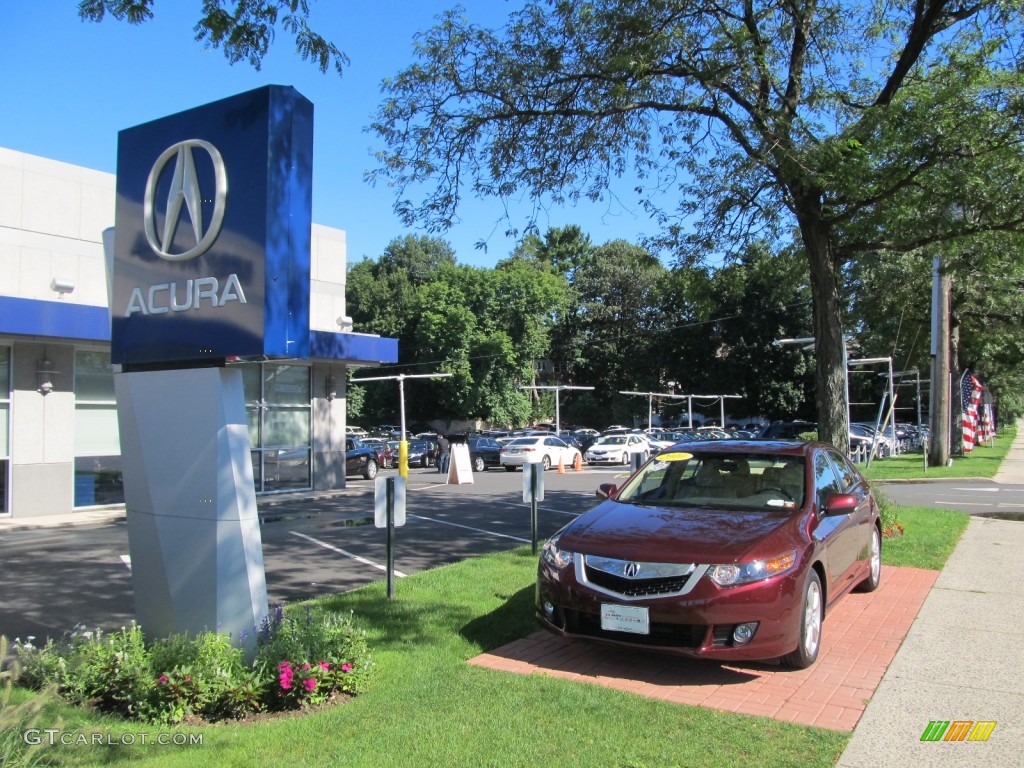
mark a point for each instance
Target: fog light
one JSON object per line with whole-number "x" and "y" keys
{"x": 744, "y": 633}
{"x": 549, "y": 609}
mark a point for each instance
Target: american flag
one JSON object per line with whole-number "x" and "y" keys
{"x": 970, "y": 396}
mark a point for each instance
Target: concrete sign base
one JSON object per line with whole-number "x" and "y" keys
{"x": 193, "y": 528}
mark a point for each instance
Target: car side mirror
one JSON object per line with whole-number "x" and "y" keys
{"x": 605, "y": 490}
{"x": 840, "y": 504}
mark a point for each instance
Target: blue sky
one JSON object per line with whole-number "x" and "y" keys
{"x": 70, "y": 86}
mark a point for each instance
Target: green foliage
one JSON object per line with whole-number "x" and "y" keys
{"x": 204, "y": 675}
{"x": 109, "y": 671}
{"x": 16, "y": 719}
{"x": 245, "y": 29}
{"x": 313, "y": 655}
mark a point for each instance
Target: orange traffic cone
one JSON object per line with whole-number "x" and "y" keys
{"x": 561, "y": 465}
{"x": 578, "y": 464}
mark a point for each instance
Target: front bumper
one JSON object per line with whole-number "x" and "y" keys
{"x": 698, "y": 624}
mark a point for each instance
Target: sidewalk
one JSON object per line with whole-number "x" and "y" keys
{"x": 963, "y": 658}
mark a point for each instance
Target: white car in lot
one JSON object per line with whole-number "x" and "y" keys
{"x": 618, "y": 449}
{"x": 537, "y": 449}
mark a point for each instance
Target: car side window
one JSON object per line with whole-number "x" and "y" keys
{"x": 349, "y": 445}
{"x": 826, "y": 481}
{"x": 850, "y": 476}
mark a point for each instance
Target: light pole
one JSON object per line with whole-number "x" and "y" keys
{"x": 403, "y": 444}
{"x": 557, "y": 388}
{"x": 650, "y": 402}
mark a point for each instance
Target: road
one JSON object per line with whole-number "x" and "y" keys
{"x": 57, "y": 578}
{"x": 975, "y": 497}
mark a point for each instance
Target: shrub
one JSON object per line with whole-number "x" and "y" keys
{"x": 299, "y": 661}
{"x": 203, "y": 675}
{"x": 312, "y": 657}
{"x": 890, "y": 525}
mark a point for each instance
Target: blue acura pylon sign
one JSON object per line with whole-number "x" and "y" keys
{"x": 213, "y": 217}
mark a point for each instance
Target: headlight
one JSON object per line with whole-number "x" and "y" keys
{"x": 555, "y": 557}
{"x": 735, "y": 574}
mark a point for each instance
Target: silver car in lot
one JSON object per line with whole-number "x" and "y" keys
{"x": 617, "y": 449}
{"x": 548, "y": 451}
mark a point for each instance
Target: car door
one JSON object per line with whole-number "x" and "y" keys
{"x": 840, "y": 532}
{"x": 863, "y": 517}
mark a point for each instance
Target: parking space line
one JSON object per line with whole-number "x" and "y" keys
{"x": 542, "y": 509}
{"x": 468, "y": 528}
{"x": 340, "y": 551}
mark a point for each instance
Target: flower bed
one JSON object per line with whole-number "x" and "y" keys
{"x": 299, "y": 662}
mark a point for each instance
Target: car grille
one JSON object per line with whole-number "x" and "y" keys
{"x": 661, "y": 634}
{"x": 634, "y": 580}
{"x": 636, "y": 587}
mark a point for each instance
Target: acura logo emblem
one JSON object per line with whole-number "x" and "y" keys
{"x": 185, "y": 191}
{"x": 630, "y": 570}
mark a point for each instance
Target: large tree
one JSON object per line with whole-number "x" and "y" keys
{"x": 864, "y": 126}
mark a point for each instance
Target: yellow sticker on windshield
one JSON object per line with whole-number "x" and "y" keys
{"x": 677, "y": 456}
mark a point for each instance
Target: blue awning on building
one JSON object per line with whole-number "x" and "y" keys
{"x": 352, "y": 347}
{"x": 64, "y": 320}
{"x": 56, "y": 319}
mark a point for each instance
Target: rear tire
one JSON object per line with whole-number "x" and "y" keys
{"x": 546, "y": 463}
{"x": 870, "y": 584}
{"x": 478, "y": 464}
{"x": 811, "y": 616}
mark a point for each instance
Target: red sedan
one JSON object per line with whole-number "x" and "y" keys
{"x": 727, "y": 550}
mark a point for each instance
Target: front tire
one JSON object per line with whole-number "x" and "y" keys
{"x": 811, "y": 616}
{"x": 870, "y": 584}
{"x": 625, "y": 459}
{"x": 370, "y": 470}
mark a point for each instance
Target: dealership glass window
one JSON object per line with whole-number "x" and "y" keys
{"x": 278, "y": 407}
{"x": 97, "y": 444}
{"x": 5, "y": 420}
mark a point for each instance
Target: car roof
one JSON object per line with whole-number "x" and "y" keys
{"x": 781, "y": 447}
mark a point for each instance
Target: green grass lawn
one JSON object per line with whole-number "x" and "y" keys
{"x": 929, "y": 537}
{"x": 983, "y": 461}
{"x": 427, "y": 707}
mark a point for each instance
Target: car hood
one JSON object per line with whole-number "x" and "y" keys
{"x": 679, "y": 535}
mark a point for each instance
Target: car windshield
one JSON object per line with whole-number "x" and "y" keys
{"x": 722, "y": 481}
{"x": 612, "y": 440}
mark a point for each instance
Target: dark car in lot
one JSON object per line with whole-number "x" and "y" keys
{"x": 484, "y": 453}
{"x": 422, "y": 453}
{"x": 724, "y": 550}
{"x": 360, "y": 459}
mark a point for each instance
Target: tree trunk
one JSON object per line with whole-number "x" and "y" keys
{"x": 830, "y": 376}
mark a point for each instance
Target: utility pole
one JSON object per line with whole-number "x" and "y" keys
{"x": 938, "y": 449}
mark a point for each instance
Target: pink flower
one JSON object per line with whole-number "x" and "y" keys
{"x": 309, "y": 684}
{"x": 325, "y": 666}
{"x": 346, "y": 667}
{"x": 162, "y": 680}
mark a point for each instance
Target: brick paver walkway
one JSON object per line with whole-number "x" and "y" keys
{"x": 860, "y": 638}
